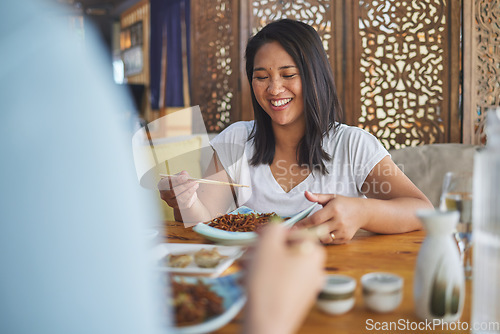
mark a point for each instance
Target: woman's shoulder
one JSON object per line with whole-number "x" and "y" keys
{"x": 236, "y": 132}
{"x": 349, "y": 132}
{"x": 240, "y": 126}
{"x": 352, "y": 138}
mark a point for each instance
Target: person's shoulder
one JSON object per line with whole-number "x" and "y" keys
{"x": 236, "y": 132}
{"x": 351, "y": 129}
{"x": 352, "y": 135}
{"x": 348, "y": 131}
{"x": 240, "y": 126}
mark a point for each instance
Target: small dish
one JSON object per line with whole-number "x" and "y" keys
{"x": 162, "y": 251}
{"x": 242, "y": 238}
{"x": 234, "y": 299}
{"x": 382, "y": 292}
{"x": 337, "y": 294}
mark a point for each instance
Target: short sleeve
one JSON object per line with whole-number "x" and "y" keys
{"x": 230, "y": 147}
{"x": 365, "y": 152}
{"x": 233, "y": 149}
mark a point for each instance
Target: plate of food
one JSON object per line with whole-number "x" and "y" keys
{"x": 203, "y": 305}
{"x": 195, "y": 259}
{"x": 238, "y": 226}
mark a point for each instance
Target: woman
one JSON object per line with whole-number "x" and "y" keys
{"x": 297, "y": 151}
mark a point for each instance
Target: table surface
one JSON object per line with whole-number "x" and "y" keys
{"x": 365, "y": 253}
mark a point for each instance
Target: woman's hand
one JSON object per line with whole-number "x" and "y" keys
{"x": 178, "y": 191}
{"x": 390, "y": 206}
{"x": 285, "y": 276}
{"x": 341, "y": 217}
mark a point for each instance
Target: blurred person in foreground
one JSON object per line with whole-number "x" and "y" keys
{"x": 72, "y": 216}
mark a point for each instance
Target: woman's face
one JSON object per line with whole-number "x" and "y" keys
{"x": 277, "y": 85}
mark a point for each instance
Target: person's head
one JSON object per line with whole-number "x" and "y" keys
{"x": 277, "y": 86}
{"x": 321, "y": 108}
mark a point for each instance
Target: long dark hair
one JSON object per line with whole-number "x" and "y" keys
{"x": 322, "y": 110}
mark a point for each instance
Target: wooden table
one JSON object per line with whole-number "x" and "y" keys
{"x": 366, "y": 253}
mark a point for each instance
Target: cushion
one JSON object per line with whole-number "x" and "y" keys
{"x": 426, "y": 165}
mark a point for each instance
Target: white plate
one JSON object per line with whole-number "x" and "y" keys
{"x": 234, "y": 299}
{"x": 162, "y": 251}
{"x": 242, "y": 238}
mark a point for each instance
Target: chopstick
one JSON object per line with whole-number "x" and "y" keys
{"x": 209, "y": 181}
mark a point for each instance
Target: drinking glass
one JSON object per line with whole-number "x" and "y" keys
{"x": 457, "y": 195}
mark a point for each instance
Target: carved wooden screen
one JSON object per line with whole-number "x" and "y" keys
{"x": 215, "y": 61}
{"x": 487, "y": 63}
{"x": 317, "y": 13}
{"x": 409, "y": 60}
{"x": 396, "y": 62}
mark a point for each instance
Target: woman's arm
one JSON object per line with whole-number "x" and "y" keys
{"x": 392, "y": 199}
{"x": 390, "y": 207}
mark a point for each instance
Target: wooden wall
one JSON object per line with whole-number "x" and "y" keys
{"x": 481, "y": 66}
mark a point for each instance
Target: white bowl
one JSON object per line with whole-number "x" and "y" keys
{"x": 337, "y": 295}
{"x": 243, "y": 238}
{"x": 382, "y": 292}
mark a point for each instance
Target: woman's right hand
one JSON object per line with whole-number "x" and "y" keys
{"x": 178, "y": 191}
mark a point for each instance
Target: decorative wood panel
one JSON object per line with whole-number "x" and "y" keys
{"x": 404, "y": 78}
{"x": 396, "y": 63}
{"x": 317, "y": 13}
{"x": 395, "y": 73}
{"x": 487, "y": 63}
{"x": 215, "y": 61}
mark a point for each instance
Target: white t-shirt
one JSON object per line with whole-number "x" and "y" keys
{"x": 354, "y": 154}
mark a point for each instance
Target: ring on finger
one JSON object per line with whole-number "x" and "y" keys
{"x": 332, "y": 235}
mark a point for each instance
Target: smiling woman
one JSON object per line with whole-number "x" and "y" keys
{"x": 296, "y": 51}
{"x": 277, "y": 86}
{"x": 297, "y": 150}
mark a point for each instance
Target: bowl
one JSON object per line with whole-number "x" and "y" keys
{"x": 337, "y": 295}
{"x": 382, "y": 292}
{"x": 243, "y": 238}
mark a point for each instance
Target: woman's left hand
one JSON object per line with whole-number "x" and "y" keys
{"x": 341, "y": 217}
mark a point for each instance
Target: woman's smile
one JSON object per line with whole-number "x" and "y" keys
{"x": 280, "y": 104}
